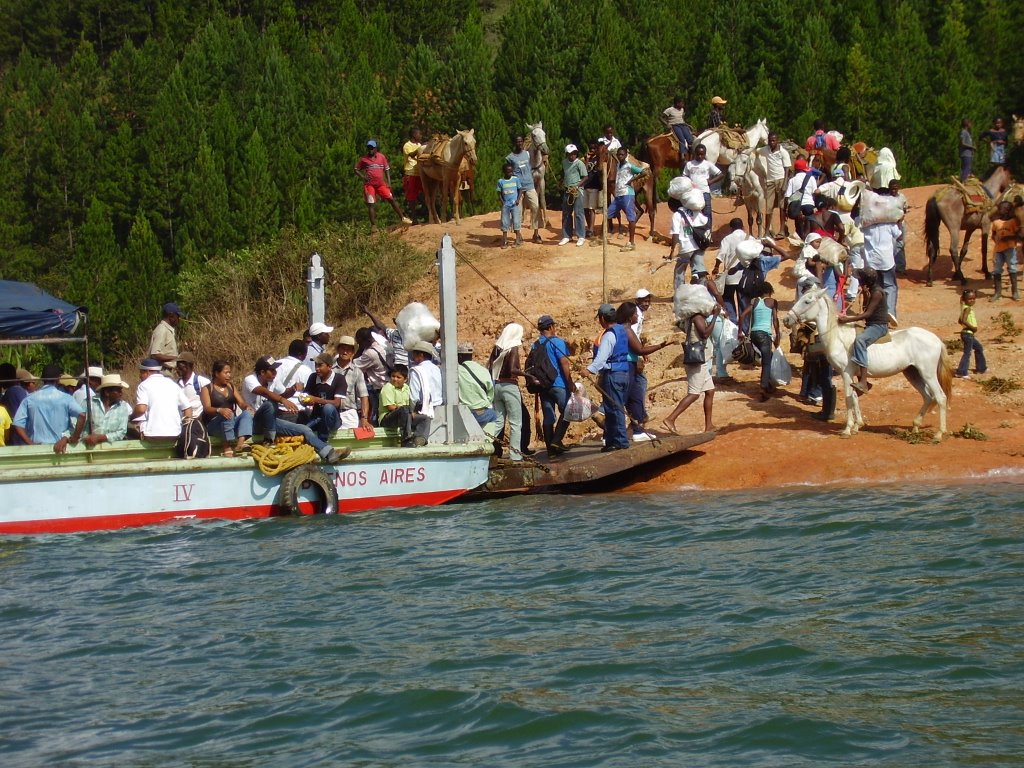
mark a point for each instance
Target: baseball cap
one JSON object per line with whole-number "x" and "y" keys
{"x": 371, "y": 143}
{"x": 545, "y": 322}
{"x": 643, "y": 293}
{"x": 718, "y": 100}
{"x": 346, "y": 341}
{"x": 187, "y": 357}
{"x": 171, "y": 308}
{"x": 67, "y": 380}
{"x": 317, "y": 328}
{"x": 266, "y": 363}
{"x": 607, "y": 311}
{"x": 571, "y": 148}
{"x": 150, "y": 364}
{"x": 465, "y": 348}
{"x": 324, "y": 358}
{"x": 800, "y": 165}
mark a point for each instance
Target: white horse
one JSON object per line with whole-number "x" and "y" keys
{"x": 537, "y": 144}
{"x": 716, "y": 153}
{"x": 917, "y": 353}
{"x": 749, "y": 179}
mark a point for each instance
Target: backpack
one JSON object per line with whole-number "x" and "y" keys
{"x": 819, "y": 141}
{"x": 193, "y": 442}
{"x": 751, "y": 280}
{"x": 540, "y": 373}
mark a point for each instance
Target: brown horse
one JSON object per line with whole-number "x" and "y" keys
{"x": 660, "y": 152}
{"x": 947, "y": 207}
{"x": 441, "y": 172}
{"x": 646, "y": 183}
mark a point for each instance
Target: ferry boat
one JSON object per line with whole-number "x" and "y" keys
{"x": 134, "y": 483}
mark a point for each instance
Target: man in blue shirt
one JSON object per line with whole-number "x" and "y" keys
{"x": 522, "y": 167}
{"x": 46, "y": 415}
{"x": 557, "y": 395}
{"x": 611, "y": 366}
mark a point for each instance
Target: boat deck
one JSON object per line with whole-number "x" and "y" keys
{"x": 585, "y": 467}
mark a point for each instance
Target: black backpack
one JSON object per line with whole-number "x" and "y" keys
{"x": 751, "y": 280}
{"x": 193, "y": 442}
{"x": 540, "y": 373}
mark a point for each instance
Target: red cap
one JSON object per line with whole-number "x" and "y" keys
{"x": 800, "y": 164}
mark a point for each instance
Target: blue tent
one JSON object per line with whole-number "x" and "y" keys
{"x": 28, "y": 312}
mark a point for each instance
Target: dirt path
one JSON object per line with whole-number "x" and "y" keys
{"x": 759, "y": 444}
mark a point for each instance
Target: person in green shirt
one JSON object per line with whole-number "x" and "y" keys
{"x": 476, "y": 390}
{"x": 396, "y": 410}
{"x": 969, "y": 337}
{"x": 573, "y": 217}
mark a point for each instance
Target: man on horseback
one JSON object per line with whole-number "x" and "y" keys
{"x": 876, "y": 319}
{"x": 717, "y": 116}
{"x": 674, "y": 118}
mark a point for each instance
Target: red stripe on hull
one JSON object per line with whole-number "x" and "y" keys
{"x": 113, "y": 522}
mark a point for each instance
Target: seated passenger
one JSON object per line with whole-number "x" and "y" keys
{"x": 43, "y": 417}
{"x": 160, "y": 404}
{"x": 424, "y": 380}
{"x": 876, "y": 325}
{"x": 325, "y": 391}
{"x": 396, "y": 410}
{"x": 190, "y": 381}
{"x": 355, "y": 399}
{"x": 225, "y": 412}
{"x": 110, "y": 416}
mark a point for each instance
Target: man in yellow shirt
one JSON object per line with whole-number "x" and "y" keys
{"x": 412, "y": 184}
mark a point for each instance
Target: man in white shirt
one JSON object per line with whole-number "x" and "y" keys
{"x": 190, "y": 382}
{"x": 684, "y": 247}
{"x": 293, "y": 373}
{"x": 729, "y": 261}
{"x": 424, "y": 379}
{"x": 880, "y": 253}
{"x": 609, "y": 139}
{"x": 89, "y": 390}
{"x": 159, "y": 402}
{"x": 320, "y": 337}
{"x": 777, "y": 166}
{"x": 703, "y": 173}
{"x": 800, "y": 196}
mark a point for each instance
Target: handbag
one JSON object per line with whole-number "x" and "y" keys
{"x": 701, "y": 236}
{"x": 693, "y": 353}
{"x": 744, "y": 354}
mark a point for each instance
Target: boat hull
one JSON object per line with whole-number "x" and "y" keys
{"x": 104, "y": 497}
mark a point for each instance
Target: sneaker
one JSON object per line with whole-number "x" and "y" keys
{"x": 642, "y": 437}
{"x": 563, "y": 241}
{"x": 336, "y": 455}
{"x": 406, "y": 220}
{"x": 628, "y": 247}
{"x": 419, "y": 441}
{"x": 581, "y": 242}
{"x": 961, "y": 375}
{"x": 815, "y": 400}
{"x": 610, "y": 448}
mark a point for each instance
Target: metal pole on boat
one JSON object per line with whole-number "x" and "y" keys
{"x": 449, "y": 338}
{"x": 604, "y": 232}
{"x": 315, "y": 302}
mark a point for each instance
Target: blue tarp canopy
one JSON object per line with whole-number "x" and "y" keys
{"x": 28, "y": 312}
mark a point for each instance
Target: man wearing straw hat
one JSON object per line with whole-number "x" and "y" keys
{"x": 109, "y": 416}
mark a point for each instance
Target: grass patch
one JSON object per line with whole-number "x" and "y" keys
{"x": 954, "y": 345}
{"x": 1007, "y": 328}
{"x": 970, "y": 432}
{"x": 249, "y": 303}
{"x": 998, "y": 386}
{"x": 914, "y": 438}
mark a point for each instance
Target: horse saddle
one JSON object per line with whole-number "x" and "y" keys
{"x": 974, "y": 195}
{"x": 433, "y": 152}
{"x": 732, "y": 138}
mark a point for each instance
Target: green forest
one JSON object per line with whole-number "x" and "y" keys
{"x": 140, "y": 142}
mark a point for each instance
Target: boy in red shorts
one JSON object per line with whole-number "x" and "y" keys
{"x": 374, "y": 170}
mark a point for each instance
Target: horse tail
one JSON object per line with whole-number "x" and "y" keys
{"x": 932, "y": 219}
{"x": 944, "y": 371}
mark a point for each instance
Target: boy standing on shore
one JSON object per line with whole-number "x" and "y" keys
{"x": 968, "y": 335}
{"x": 510, "y": 193}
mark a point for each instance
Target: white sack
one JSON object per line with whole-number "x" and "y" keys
{"x": 417, "y": 323}
{"x": 692, "y": 300}
{"x": 679, "y": 186}
{"x": 879, "y": 209}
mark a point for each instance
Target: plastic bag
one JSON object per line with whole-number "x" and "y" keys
{"x": 693, "y": 200}
{"x": 579, "y": 407}
{"x": 780, "y": 371}
{"x": 692, "y": 299}
{"x": 417, "y": 323}
{"x": 730, "y": 337}
{"x": 879, "y": 209}
{"x": 679, "y": 186}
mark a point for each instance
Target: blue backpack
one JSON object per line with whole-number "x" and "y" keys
{"x": 819, "y": 141}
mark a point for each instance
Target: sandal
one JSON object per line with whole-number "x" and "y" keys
{"x": 862, "y": 387}
{"x": 229, "y": 453}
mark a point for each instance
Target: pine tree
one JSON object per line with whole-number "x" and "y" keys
{"x": 93, "y": 275}
{"x": 717, "y": 78}
{"x": 143, "y": 286}
{"x": 206, "y": 204}
{"x": 256, "y": 198}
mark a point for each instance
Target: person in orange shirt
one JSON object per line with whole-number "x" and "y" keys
{"x": 1005, "y": 236}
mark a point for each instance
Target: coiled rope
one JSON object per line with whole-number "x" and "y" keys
{"x": 287, "y": 453}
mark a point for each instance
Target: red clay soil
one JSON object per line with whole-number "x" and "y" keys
{"x": 769, "y": 444}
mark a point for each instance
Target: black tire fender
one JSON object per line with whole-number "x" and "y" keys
{"x": 303, "y": 478}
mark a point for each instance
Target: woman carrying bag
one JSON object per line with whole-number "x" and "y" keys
{"x": 764, "y": 333}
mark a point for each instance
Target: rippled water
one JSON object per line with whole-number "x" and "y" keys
{"x": 778, "y": 629}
